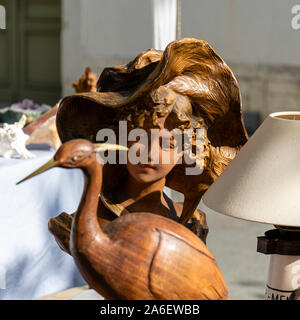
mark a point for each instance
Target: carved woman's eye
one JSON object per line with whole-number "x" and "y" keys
{"x": 74, "y": 159}
{"x": 167, "y": 143}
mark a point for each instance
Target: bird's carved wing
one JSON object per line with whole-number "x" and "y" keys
{"x": 195, "y": 276}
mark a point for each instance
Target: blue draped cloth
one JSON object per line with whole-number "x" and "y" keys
{"x": 31, "y": 263}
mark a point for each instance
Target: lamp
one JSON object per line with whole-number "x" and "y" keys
{"x": 262, "y": 184}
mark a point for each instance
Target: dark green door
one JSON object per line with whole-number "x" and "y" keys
{"x": 30, "y": 51}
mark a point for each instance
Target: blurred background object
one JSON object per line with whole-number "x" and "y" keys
{"x": 164, "y": 23}
{"x": 13, "y": 140}
{"x": 46, "y": 133}
{"x": 87, "y": 82}
{"x": 27, "y": 107}
{"x": 43, "y": 130}
{"x": 30, "y": 52}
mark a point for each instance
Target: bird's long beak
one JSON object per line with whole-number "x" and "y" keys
{"x": 108, "y": 146}
{"x": 50, "y": 164}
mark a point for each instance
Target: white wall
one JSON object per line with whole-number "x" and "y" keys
{"x": 99, "y": 33}
{"x": 72, "y": 62}
{"x": 245, "y": 31}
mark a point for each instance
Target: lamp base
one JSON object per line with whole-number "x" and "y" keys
{"x": 283, "y": 244}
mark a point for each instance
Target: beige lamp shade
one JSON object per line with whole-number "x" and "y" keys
{"x": 262, "y": 183}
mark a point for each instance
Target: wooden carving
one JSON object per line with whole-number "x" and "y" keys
{"x": 187, "y": 86}
{"x": 87, "y": 82}
{"x": 122, "y": 249}
{"x": 139, "y": 255}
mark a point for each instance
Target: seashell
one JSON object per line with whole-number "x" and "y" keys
{"x": 13, "y": 140}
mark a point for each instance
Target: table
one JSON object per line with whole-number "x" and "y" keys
{"x": 31, "y": 263}
{"x": 77, "y": 293}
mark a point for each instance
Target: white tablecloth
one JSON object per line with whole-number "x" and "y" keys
{"x": 31, "y": 263}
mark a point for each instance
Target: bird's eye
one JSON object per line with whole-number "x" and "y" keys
{"x": 74, "y": 159}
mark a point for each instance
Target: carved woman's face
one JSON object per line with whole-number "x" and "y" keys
{"x": 158, "y": 152}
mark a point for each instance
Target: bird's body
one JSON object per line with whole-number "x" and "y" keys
{"x": 148, "y": 256}
{"x": 139, "y": 255}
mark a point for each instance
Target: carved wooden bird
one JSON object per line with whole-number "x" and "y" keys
{"x": 139, "y": 255}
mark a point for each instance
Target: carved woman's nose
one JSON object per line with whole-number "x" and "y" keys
{"x": 153, "y": 151}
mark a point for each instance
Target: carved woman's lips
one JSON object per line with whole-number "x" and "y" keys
{"x": 146, "y": 166}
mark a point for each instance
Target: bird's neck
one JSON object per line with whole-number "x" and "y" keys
{"x": 86, "y": 228}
